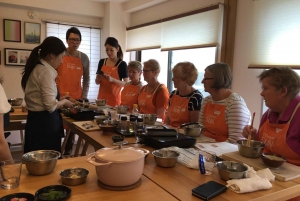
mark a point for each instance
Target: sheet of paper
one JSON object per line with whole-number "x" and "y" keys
{"x": 218, "y": 147}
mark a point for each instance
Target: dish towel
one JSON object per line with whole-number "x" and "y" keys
{"x": 254, "y": 181}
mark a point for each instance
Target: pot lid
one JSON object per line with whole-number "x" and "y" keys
{"x": 119, "y": 154}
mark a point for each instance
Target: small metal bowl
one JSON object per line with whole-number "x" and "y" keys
{"x": 149, "y": 119}
{"x": 74, "y": 176}
{"x": 165, "y": 158}
{"x": 122, "y": 109}
{"x": 101, "y": 102}
{"x": 273, "y": 160}
{"x": 254, "y": 151}
{"x": 15, "y": 101}
{"x": 231, "y": 170}
{"x": 193, "y": 130}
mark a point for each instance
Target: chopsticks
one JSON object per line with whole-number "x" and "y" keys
{"x": 251, "y": 126}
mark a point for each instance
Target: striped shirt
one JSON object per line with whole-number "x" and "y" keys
{"x": 194, "y": 101}
{"x": 237, "y": 115}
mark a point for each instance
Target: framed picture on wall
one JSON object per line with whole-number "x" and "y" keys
{"x": 32, "y": 32}
{"x": 16, "y": 57}
{"x": 12, "y": 30}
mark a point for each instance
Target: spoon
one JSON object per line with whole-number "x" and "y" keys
{"x": 251, "y": 126}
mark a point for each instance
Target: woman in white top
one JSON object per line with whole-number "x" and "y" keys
{"x": 44, "y": 127}
{"x": 4, "y": 108}
{"x": 224, "y": 113}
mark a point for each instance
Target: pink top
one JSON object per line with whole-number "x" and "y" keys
{"x": 293, "y": 134}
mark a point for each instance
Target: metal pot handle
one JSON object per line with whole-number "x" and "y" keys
{"x": 93, "y": 162}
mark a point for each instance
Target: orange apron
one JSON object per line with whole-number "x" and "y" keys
{"x": 145, "y": 102}
{"x": 274, "y": 136}
{"x": 214, "y": 120}
{"x": 69, "y": 77}
{"x": 178, "y": 110}
{"x": 109, "y": 90}
{"x": 129, "y": 95}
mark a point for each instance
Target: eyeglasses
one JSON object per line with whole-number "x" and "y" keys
{"x": 146, "y": 71}
{"x": 208, "y": 78}
{"x": 74, "y": 40}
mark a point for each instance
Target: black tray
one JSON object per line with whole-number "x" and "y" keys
{"x": 162, "y": 132}
{"x": 83, "y": 115}
{"x": 159, "y": 142}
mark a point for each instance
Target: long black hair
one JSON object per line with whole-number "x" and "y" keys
{"x": 114, "y": 42}
{"x": 51, "y": 45}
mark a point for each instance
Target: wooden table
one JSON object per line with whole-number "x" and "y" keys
{"x": 180, "y": 180}
{"x": 148, "y": 190}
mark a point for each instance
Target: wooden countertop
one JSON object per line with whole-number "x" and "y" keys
{"x": 90, "y": 190}
{"x": 180, "y": 180}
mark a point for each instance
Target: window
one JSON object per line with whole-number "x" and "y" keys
{"x": 200, "y": 57}
{"x": 90, "y": 45}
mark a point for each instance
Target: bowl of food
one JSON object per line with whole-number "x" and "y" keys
{"x": 122, "y": 109}
{"x": 193, "y": 129}
{"x": 101, "y": 102}
{"x": 117, "y": 138}
{"x": 253, "y": 151}
{"x": 273, "y": 160}
{"x": 149, "y": 119}
{"x": 165, "y": 158}
{"x": 54, "y": 193}
{"x": 74, "y": 176}
{"x": 18, "y": 197}
{"x": 231, "y": 170}
{"x": 99, "y": 119}
{"x": 15, "y": 101}
{"x": 41, "y": 162}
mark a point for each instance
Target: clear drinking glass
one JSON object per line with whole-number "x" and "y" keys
{"x": 10, "y": 172}
{"x": 209, "y": 159}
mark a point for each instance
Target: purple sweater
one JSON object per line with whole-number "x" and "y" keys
{"x": 293, "y": 135}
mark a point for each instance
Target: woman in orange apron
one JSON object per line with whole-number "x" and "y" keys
{"x": 185, "y": 102}
{"x": 111, "y": 71}
{"x": 153, "y": 98}
{"x": 279, "y": 127}
{"x": 223, "y": 113}
{"x": 131, "y": 90}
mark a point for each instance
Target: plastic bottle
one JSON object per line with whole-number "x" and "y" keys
{"x": 135, "y": 110}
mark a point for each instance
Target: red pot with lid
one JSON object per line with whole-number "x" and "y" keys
{"x": 118, "y": 166}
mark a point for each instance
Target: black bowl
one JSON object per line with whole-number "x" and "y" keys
{"x": 273, "y": 160}
{"x": 117, "y": 138}
{"x": 28, "y": 196}
{"x": 66, "y": 192}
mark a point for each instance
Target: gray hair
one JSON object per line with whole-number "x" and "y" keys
{"x": 186, "y": 71}
{"x": 153, "y": 65}
{"x": 283, "y": 77}
{"x": 222, "y": 75}
{"x": 135, "y": 65}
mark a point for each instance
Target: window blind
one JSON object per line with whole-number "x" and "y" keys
{"x": 199, "y": 28}
{"x": 147, "y": 37}
{"x": 276, "y": 31}
{"x": 90, "y": 45}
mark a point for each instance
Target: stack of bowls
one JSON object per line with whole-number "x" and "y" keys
{"x": 100, "y": 118}
{"x": 253, "y": 151}
{"x": 41, "y": 162}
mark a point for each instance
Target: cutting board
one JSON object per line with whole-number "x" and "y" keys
{"x": 80, "y": 124}
{"x": 284, "y": 173}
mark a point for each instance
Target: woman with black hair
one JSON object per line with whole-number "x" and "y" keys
{"x": 111, "y": 71}
{"x": 44, "y": 127}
